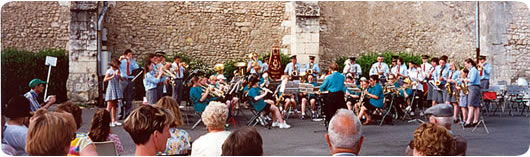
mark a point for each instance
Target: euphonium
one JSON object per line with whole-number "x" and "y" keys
{"x": 214, "y": 93}
{"x": 171, "y": 76}
{"x": 294, "y": 74}
{"x": 437, "y": 83}
{"x": 309, "y": 71}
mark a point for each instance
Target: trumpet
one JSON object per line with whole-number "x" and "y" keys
{"x": 214, "y": 93}
{"x": 480, "y": 67}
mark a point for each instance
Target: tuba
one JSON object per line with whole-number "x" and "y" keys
{"x": 240, "y": 70}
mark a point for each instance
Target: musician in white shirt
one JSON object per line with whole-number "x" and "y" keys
{"x": 380, "y": 67}
{"x": 352, "y": 67}
{"x": 400, "y": 70}
{"x": 416, "y": 76}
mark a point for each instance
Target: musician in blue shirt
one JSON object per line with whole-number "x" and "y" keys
{"x": 293, "y": 66}
{"x": 485, "y": 72}
{"x": 313, "y": 66}
{"x": 257, "y": 99}
{"x": 159, "y": 65}
{"x": 127, "y": 66}
{"x": 252, "y": 70}
{"x": 452, "y": 78}
{"x": 440, "y": 74}
{"x": 473, "y": 98}
{"x": 151, "y": 80}
{"x": 351, "y": 97}
{"x": 334, "y": 84}
{"x": 311, "y": 97}
{"x": 199, "y": 98}
{"x": 375, "y": 95}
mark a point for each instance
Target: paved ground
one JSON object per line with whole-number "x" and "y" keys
{"x": 508, "y": 136}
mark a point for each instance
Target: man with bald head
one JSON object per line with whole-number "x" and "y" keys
{"x": 344, "y": 135}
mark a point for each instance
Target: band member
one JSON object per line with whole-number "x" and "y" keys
{"x": 252, "y": 67}
{"x": 473, "y": 99}
{"x": 380, "y": 69}
{"x": 429, "y": 76}
{"x": 312, "y": 98}
{"x": 364, "y": 84}
{"x": 288, "y": 98}
{"x": 441, "y": 75}
{"x": 425, "y": 66}
{"x": 399, "y": 70}
{"x": 293, "y": 66}
{"x": 462, "y": 103}
{"x": 200, "y": 98}
{"x": 178, "y": 69}
{"x": 452, "y": 79}
{"x": 351, "y": 97}
{"x": 353, "y": 68}
{"x": 485, "y": 72}
{"x": 265, "y": 65}
{"x": 151, "y": 81}
{"x": 404, "y": 97}
{"x": 260, "y": 103}
{"x": 416, "y": 76}
{"x": 313, "y": 66}
{"x": 159, "y": 65}
{"x": 127, "y": 65}
{"x": 375, "y": 95}
{"x": 334, "y": 84}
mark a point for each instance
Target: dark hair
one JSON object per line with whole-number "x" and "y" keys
{"x": 243, "y": 142}
{"x": 115, "y": 63}
{"x": 444, "y": 57}
{"x": 400, "y": 60}
{"x": 465, "y": 70}
{"x": 176, "y": 57}
{"x": 434, "y": 59}
{"x": 146, "y": 65}
{"x": 253, "y": 80}
{"x": 73, "y": 109}
{"x": 333, "y": 66}
{"x": 100, "y": 127}
{"x": 469, "y": 60}
{"x": 374, "y": 77}
{"x": 127, "y": 51}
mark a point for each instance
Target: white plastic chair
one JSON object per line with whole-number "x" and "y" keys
{"x": 106, "y": 148}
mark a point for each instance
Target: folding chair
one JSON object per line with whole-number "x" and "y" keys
{"x": 198, "y": 114}
{"x": 387, "y": 109}
{"x": 512, "y": 93}
{"x": 256, "y": 118}
{"x": 481, "y": 121}
{"x": 106, "y": 148}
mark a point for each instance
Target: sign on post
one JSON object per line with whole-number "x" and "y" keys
{"x": 50, "y": 61}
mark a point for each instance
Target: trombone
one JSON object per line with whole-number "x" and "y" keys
{"x": 214, "y": 93}
{"x": 170, "y": 75}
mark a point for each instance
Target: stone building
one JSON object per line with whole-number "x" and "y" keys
{"x": 220, "y": 31}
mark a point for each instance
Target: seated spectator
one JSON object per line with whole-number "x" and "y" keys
{"x": 441, "y": 115}
{"x": 50, "y": 133}
{"x": 432, "y": 140}
{"x": 148, "y": 126}
{"x": 214, "y": 117}
{"x": 179, "y": 142}
{"x": 76, "y": 112}
{"x": 15, "y": 131}
{"x": 344, "y": 135}
{"x": 7, "y": 149}
{"x": 37, "y": 87}
{"x": 243, "y": 142}
{"x": 100, "y": 132}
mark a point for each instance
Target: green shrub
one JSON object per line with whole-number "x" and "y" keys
{"x": 366, "y": 60}
{"x": 19, "y": 67}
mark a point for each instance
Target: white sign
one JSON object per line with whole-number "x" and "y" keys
{"x": 51, "y": 61}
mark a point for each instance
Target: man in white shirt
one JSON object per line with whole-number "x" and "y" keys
{"x": 178, "y": 70}
{"x": 400, "y": 70}
{"x": 380, "y": 68}
{"x": 353, "y": 68}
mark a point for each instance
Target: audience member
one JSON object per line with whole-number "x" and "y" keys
{"x": 148, "y": 126}
{"x": 7, "y": 149}
{"x": 441, "y": 115}
{"x": 432, "y": 140}
{"x": 179, "y": 142}
{"x": 50, "y": 133}
{"x": 214, "y": 117}
{"x": 37, "y": 87}
{"x": 14, "y": 133}
{"x": 243, "y": 142}
{"x": 344, "y": 135}
{"x": 77, "y": 113}
{"x": 100, "y": 132}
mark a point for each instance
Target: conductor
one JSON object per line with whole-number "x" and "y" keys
{"x": 334, "y": 84}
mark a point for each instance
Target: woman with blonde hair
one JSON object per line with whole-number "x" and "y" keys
{"x": 179, "y": 142}
{"x": 50, "y": 133}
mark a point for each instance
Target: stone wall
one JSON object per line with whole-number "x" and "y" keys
{"x": 505, "y": 37}
{"x": 211, "y": 31}
{"x": 434, "y": 28}
{"x": 35, "y": 26}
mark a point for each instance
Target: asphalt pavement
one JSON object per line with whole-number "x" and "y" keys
{"x": 508, "y": 136}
